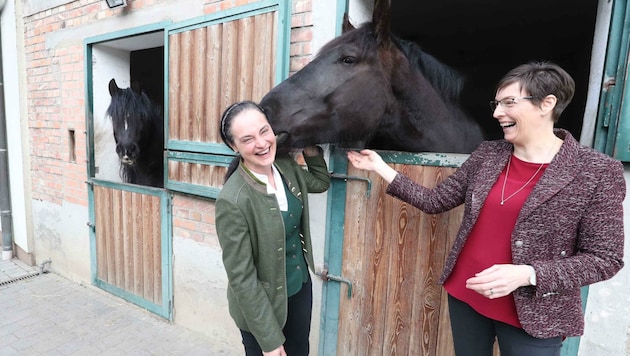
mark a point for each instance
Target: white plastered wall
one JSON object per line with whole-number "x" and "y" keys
{"x": 17, "y": 132}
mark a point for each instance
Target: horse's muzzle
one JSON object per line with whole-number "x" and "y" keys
{"x": 126, "y": 160}
{"x": 281, "y": 137}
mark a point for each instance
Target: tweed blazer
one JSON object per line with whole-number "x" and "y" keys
{"x": 252, "y": 236}
{"x": 570, "y": 228}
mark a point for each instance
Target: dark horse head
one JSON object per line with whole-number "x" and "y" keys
{"x": 363, "y": 90}
{"x": 139, "y": 134}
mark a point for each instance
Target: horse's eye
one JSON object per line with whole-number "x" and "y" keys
{"x": 348, "y": 60}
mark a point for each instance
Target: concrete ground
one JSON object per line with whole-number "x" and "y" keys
{"x": 45, "y": 314}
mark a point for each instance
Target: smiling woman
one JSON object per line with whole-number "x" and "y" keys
{"x": 262, "y": 222}
{"x": 513, "y": 272}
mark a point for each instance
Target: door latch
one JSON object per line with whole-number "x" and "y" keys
{"x": 347, "y": 178}
{"x": 323, "y": 274}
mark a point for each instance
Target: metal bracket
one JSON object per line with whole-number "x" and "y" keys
{"x": 323, "y": 274}
{"x": 346, "y": 177}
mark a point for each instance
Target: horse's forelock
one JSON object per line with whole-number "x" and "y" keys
{"x": 127, "y": 101}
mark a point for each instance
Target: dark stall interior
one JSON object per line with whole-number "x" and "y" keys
{"x": 485, "y": 39}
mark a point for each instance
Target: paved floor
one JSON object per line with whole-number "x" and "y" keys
{"x": 46, "y": 314}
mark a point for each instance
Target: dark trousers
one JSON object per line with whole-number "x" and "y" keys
{"x": 297, "y": 328}
{"x": 474, "y": 334}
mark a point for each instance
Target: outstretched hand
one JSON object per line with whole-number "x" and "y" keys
{"x": 371, "y": 161}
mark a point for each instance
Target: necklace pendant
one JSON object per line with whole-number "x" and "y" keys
{"x": 502, "y": 203}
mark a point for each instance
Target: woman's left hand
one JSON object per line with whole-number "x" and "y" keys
{"x": 499, "y": 280}
{"x": 311, "y": 151}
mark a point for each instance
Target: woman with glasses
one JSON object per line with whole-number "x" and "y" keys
{"x": 262, "y": 222}
{"x": 543, "y": 217}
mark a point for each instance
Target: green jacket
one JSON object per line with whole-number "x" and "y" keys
{"x": 252, "y": 236}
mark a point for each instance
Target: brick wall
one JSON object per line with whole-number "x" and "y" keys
{"x": 301, "y": 34}
{"x": 56, "y": 99}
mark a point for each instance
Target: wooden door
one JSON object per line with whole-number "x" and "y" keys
{"x": 131, "y": 254}
{"x": 390, "y": 255}
{"x": 394, "y": 254}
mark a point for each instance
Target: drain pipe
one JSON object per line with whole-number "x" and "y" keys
{"x": 5, "y": 196}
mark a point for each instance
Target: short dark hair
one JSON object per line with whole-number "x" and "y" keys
{"x": 540, "y": 79}
{"x": 230, "y": 113}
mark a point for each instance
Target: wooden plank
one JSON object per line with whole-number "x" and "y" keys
{"x": 138, "y": 270}
{"x": 147, "y": 248}
{"x": 198, "y": 79}
{"x": 229, "y": 55}
{"x": 116, "y": 239}
{"x": 260, "y": 46}
{"x": 186, "y": 88}
{"x": 127, "y": 237}
{"x": 101, "y": 208}
{"x": 356, "y": 247}
{"x": 155, "y": 217}
{"x": 174, "y": 86}
{"x": 245, "y": 63}
{"x": 214, "y": 108}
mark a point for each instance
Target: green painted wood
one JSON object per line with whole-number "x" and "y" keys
{"x": 193, "y": 157}
{"x": 612, "y": 135}
{"x": 333, "y": 245}
{"x": 201, "y": 147}
{"x": 571, "y": 345}
{"x": 333, "y": 254}
{"x": 424, "y": 158}
{"x": 128, "y": 32}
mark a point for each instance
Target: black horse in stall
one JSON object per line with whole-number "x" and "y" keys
{"x": 368, "y": 88}
{"x": 138, "y": 125}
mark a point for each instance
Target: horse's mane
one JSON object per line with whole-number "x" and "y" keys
{"x": 445, "y": 80}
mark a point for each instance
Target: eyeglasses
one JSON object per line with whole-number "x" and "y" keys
{"x": 507, "y": 102}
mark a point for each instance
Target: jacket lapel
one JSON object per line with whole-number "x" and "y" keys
{"x": 560, "y": 172}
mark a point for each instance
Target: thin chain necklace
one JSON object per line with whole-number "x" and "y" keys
{"x": 507, "y": 171}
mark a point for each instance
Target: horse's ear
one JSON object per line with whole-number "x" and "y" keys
{"x": 113, "y": 88}
{"x": 346, "y": 25}
{"x": 380, "y": 20}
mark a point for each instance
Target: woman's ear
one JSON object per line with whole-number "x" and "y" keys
{"x": 548, "y": 104}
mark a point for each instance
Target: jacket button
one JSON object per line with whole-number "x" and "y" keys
{"x": 563, "y": 253}
{"x": 519, "y": 243}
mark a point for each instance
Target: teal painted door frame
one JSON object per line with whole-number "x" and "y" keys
{"x": 164, "y": 308}
{"x": 612, "y": 135}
